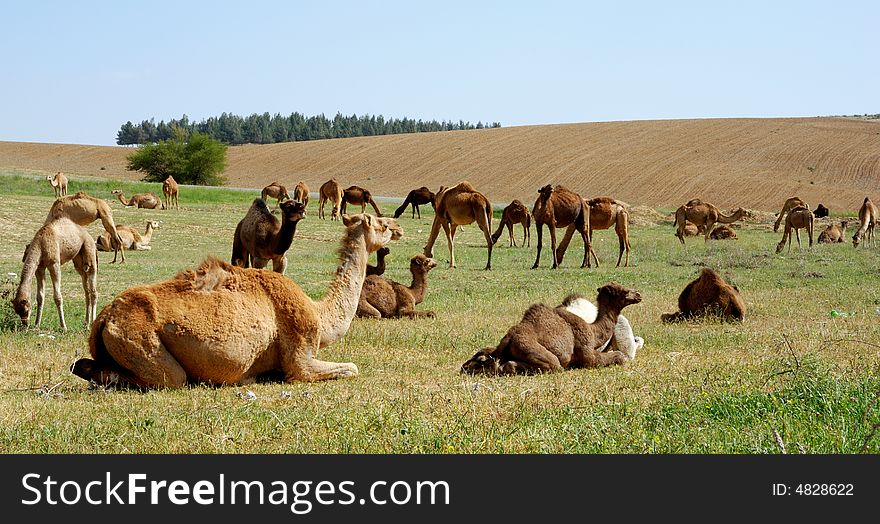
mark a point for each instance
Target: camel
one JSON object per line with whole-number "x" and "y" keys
{"x": 789, "y": 204}
{"x": 331, "y": 192}
{"x": 384, "y": 298}
{"x": 821, "y": 211}
{"x": 171, "y": 191}
{"x": 703, "y": 214}
{"x": 604, "y": 213}
{"x": 561, "y": 207}
{"x": 456, "y": 206}
{"x": 83, "y": 209}
{"x": 221, "y": 324}
{"x": 276, "y": 191}
{"x": 797, "y": 218}
{"x": 358, "y": 196}
{"x": 833, "y": 234}
{"x": 57, "y": 242}
{"x": 301, "y": 193}
{"x": 515, "y": 213}
{"x": 379, "y": 268}
{"x": 708, "y": 295}
{"x": 260, "y": 237}
{"x": 59, "y": 183}
{"x": 549, "y": 339}
{"x": 723, "y": 233}
{"x": 867, "y": 221}
{"x": 139, "y": 200}
{"x": 131, "y": 239}
{"x": 416, "y": 198}
{"x": 691, "y": 230}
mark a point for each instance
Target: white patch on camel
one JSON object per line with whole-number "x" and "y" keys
{"x": 623, "y": 339}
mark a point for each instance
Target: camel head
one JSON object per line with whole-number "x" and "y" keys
{"x": 613, "y": 292}
{"x": 482, "y": 362}
{"x": 857, "y": 238}
{"x": 545, "y": 191}
{"x": 421, "y": 262}
{"x": 843, "y": 225}
{"x": 377, "y": 231}
{"x": 293, "y": 210}
{"x": 22, "y": 307}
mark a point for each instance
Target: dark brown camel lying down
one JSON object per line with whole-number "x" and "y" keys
{"x": 556, "y": 338}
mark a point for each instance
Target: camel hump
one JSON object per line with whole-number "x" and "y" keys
{"x": 602, "y": 200}
{"x": 260, "y": 204}
{"x": 464, "y": 185}
{"x": 866, "y": 200}
{"x": 211, "y": 275}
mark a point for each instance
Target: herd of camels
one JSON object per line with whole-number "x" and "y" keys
{"x": 225, "y": 323}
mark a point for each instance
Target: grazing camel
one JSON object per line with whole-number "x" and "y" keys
{"x": 139, "y": 200}
{"x": 276, "y": 191}
{"x": 789, "y": 204}
{"x": 56, "y": 243}
{"x": 549, "y": 339}
{"x": 384, "y": 298}
{"x": 260, "y": 237}
{"x": 460, "y": 205}
{"x": 171, "y": 191}
{"x": 416, "y": 197}
{"x": 301, "y": 193}
{"x": 515, "y": 213}
{"x": 708, "y": 295}
{"x": 703, "y": 214}
{"x": 723, "y": 233}
{"x": 358, "y": 196}
{"x": 604, "y": 213}
{"x": 821, "y": 211}
{"x": 561, "y": 207}
{"x": 379, "y": 268}
{"x": 131, "y": 239}
{"x": 867, "y": 221}
{"x": 331, "y": 192}
{"x": 833, "y": 234}
{"x": 83, "y": 209}
{"x": 797, "y": 218}
{"x": 222, "y": 324}
{"x": 59, "y": 183}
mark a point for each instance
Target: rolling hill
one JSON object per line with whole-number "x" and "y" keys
{"x": 755, "y": 163}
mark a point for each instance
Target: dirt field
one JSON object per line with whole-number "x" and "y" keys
{"x": 754, "y": 163}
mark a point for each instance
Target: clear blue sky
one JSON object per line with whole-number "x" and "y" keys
{"x": 73, "y": 72}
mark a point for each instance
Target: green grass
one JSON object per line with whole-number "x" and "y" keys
{"x": 701, "y": 387}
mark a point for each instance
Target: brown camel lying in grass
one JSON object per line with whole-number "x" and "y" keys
{"x": 222, "y": 324}
{"x": 551, "y": 339}
{"x": 708, "y": 295}
{"x": 131, "y": 239}
{"x": 833, "y": 234}
{"x": 384, "y": 298}
{"x": 139, "y": 200}
{"x": 723, "y": 233}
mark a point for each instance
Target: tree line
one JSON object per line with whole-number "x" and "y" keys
{"x": 265, "y": 129}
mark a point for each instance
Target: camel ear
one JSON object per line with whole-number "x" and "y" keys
{"x": 348, "y": 220}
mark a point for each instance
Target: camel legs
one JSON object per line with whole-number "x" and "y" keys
{"x": 86, "y": 265}
{"x": 556, "y": 258}
{"x": 55, "y": 273}
{"x": 528, "y": 357}
{"x": 412, "y": 313}
{"x": 41, "y": 295}
{"x": 797, "y": 235}
{"x": 511, "y": 240}
{"x": 527, "y": 235}
{"x": 450, "y": 240}
{"x": 622, "y": 230}
{"x": 484, "y": 223}
{"x": 144, "y": 359}
{"x": 279, "y": 265}
{"x": 540, "y": 227}
{"x": 321, "y": 201}
{"x": 366, "y": 310}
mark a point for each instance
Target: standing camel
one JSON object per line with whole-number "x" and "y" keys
{"x": 416, "y": 197}
{"x": 259, "y": 237}
{"x": 789, "y": 204}
{"x": 703, "y": 214}
{"x": 83, "y": 209}
{"x": 515, "y": 213}
{"x": 867, "y": 221}
{"x": 561, "y": 207}
{"x": 139, "y": 200}
{"x": 56, "y": 243}
{"x": 171, "y": 191}
{"x": 59, "y": 183}
{"x": 276, "y": 191}
{"x": 221, "y": 324}
{"x": 797, "y": 218}
{"x": 301, "y": 193}
{"x": 358, "y": 196}
{"x": 605, "y": 212}
{"x": 330, "y": 191}
{"x": 460, "y": 205}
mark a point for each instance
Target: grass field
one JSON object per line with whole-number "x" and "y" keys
{"x": 701, "y": 387}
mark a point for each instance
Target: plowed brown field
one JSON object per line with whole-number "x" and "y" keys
{"x": 754, "y": 163}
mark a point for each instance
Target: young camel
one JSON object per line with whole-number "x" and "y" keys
{"x": 139, "y": 200}
{"x": 723, "y": 233}
{"x": 703, "y": 214}
{"x": 515, "y": 213}
{"x": 797, "y": 218}
{"x": 604, "y": 213}
{"x": 708, "y": 295}
{"x": 833, "y": 234}
{"x": 131, "y": 239}
{"x": 561, "y": 207}
{"x": 384, "y": 298}
{"x": 56, "y": 243}
{"x": 460, "y": 205}
{"x": 301, "y": 193}
{"x": 260, "y": 237}
{"x": 691, "y": 230}
{"x": 59, "y": 183}
{"x": 379, "y": 268}
{"x": 358, "y": 196}
{"x": 416, "y": 197}
{"x": 171, "y": 191}
{"x": 789, "y": 204}
{"x": 83, "y": 209}
{"x": 549, "y": 339}
{"x": 330, "y": 191}
{"x": 221, "y": 324}
{"x": 867, "y": 221}
{"x": 276, "y": 191}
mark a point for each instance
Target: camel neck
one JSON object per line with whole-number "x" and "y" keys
{"x": 28, "y": 270}
{"x": 606, "y": 319}
{"x": 122, "y": 199}
{"x": 285, "y": 236}
{"x": 337, "y": 309}
{"x": 419, "y": 286}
